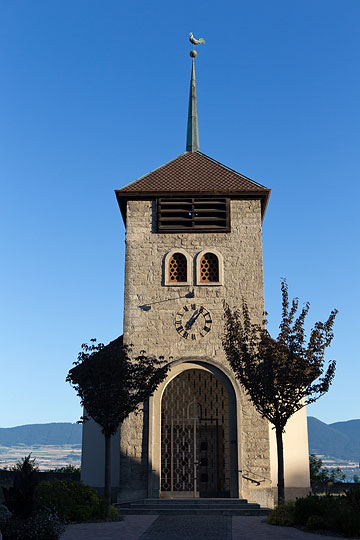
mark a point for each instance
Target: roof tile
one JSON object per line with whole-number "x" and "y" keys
{"x": 192, "y": 172}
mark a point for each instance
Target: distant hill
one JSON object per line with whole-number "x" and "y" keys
{"x": 351, "y": 428}
{"x": 41, "y": 434}
{"x": 340, "y": 439}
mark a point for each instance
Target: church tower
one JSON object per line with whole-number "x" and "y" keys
{"x": 193, "y": 241}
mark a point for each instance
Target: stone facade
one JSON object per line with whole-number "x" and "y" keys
{"x": 154, "y": 330}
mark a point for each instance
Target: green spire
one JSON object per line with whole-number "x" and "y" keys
{"x": 192, "y": 138}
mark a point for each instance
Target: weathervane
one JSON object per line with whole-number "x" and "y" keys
{"x": 195, "y": 41}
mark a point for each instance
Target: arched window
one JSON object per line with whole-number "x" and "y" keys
{"x": 177, "y": 268}
{"x": 209, "y": 268}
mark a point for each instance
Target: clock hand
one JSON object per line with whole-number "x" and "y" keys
{"x": 191, "y": 321}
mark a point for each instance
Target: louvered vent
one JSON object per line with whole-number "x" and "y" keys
{"x": 193, "y": 215}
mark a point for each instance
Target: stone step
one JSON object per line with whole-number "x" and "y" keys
{"x": 174, "y": 502}
{"x": 193, "y": 511}
{"x": 226, "y": 507}
{"x": 195, "y": 507}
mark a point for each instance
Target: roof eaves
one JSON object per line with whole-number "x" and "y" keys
{"x": 263, "y": 195}
{"x": 190, "y": 193}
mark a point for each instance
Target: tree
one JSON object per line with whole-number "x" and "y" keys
{"x": 111, "y": 385}
{"x": 320, "y": 474}
{"x": 317, "y": 473}
{"x": 26, "y": 463}
{"x": 20, "y": 499}
{"x": 278, "y": 374}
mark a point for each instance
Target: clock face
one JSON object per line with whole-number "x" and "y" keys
{"x": 193, "y": 321}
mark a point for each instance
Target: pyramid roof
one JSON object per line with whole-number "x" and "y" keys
{"x": 195, "y": 174}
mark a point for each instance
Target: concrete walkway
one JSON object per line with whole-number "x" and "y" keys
{"x": 130, "y": 529}
{"x": 187, "y": 528}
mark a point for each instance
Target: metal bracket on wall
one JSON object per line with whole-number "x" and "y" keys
{"x": 253, "y": 480}
{"x": 147, "y": 307}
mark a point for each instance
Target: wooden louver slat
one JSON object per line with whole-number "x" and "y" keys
{"x": 193, "y": 214}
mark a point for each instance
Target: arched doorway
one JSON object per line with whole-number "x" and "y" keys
{"x": 195, "y": 436}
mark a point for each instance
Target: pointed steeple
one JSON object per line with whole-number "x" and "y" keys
{"x": 192, "y": 138}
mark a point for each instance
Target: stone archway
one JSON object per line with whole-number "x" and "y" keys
{"x": 195, "y": 442}
{"x": 193, "y": 434}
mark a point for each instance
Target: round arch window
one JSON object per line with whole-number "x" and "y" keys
{"x": 209, "y": 268}
{"x": 177, "y": 268}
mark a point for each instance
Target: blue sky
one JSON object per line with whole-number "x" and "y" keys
{"x": 94, "y": 94}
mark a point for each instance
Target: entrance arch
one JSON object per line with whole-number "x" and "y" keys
{"x": 193, "y": 434}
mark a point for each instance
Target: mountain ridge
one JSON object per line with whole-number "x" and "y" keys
{"x": 54, "y": 433}
{"x": 338, "y": 439}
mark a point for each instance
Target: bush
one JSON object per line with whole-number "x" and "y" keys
{"x": 69, "y": 469}
{"x": 282, "y": 515}
{"x": 44, "y": 525}
{"x": 345, "y": 518}
{"x": 315, "y": 523}
{"x": 114, "y": 513}
{"x": 350, "y": 523}
{"x": 306, "y": 507}
{"x": 340, "y": 514}
{"x": 72, "y": 500}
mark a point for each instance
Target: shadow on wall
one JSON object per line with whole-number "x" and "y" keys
{"x": 130, "y": 474}
{"x": 135, "y": 470}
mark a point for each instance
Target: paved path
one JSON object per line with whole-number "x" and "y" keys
{"x": 130, "y": 529}
{"x": 255, "y": 528}
{"x": 187, "y": 528}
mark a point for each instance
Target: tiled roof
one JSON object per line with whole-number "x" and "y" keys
{"x": 192, "y": 172}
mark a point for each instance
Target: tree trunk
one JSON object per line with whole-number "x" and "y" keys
{"x": 108, "y": 472}
{"x": 280, "y": 460}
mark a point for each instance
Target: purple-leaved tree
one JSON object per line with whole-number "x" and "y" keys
{"x": 280, "y": 375}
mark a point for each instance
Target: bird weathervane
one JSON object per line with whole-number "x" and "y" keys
{"x": 195, "y": 41}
